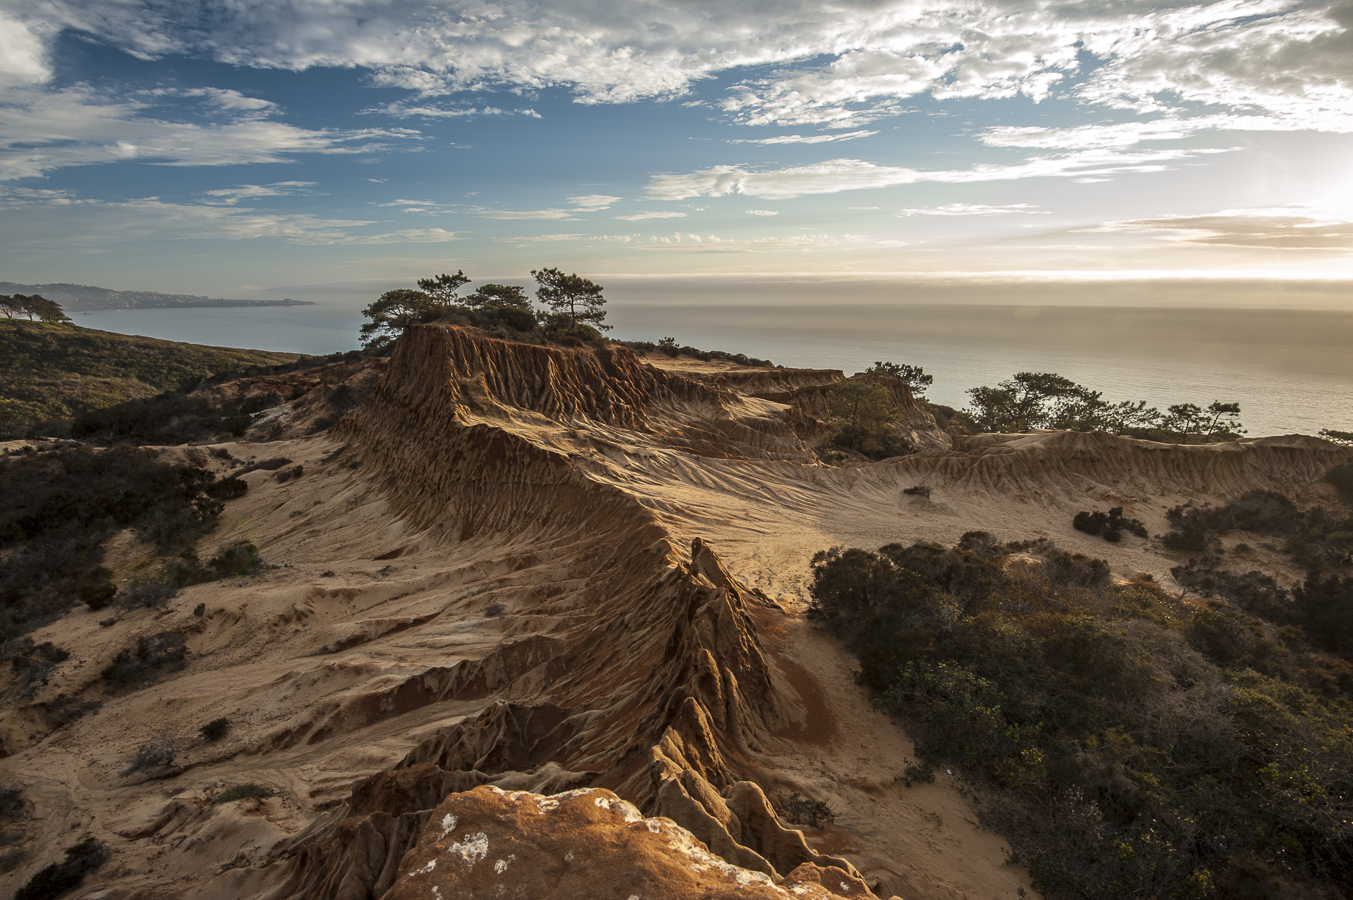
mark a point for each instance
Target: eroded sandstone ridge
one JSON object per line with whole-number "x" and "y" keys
{"x": 553, "y": 595}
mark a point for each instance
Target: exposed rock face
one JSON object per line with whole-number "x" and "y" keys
{"x": 529, "y": 569}
{"x": 583, "y": 844}
{"x": 1049, "y": 461}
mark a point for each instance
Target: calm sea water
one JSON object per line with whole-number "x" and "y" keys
{"x": 1291, "y": 371}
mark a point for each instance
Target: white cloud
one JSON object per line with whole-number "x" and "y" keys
{"x": 974, "y": 209}
{"x": 421, "y": 207}
{"x": 409, "y": 109}
{"x": 806, "y": 139}
{"x": 232, "y": 196}
{"x": 1275, "y": 228}
{"x": 1172, "y": 127}
{"x": 838, "y": 175}
{"x": 544, "y": 238}
{"x": 563, "y": 214}
{"x": 582, "y": 204}
{"x": 640, "y": 217}
{"x": 594, "y": 202}
{"x": 835, "y": 65}
{"x": 45, "y": 130}
{"x": 42, "y": 219}
{"x": 712, "y": 243}
{"x": 22, "y": 54}
{"x": 403, "y": 236}
{"x": 763, "y": 212}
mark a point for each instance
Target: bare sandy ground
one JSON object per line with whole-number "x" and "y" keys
{"x": 399, "y": 598}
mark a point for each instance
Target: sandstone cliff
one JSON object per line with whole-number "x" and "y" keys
{"x": 562, "y": 588}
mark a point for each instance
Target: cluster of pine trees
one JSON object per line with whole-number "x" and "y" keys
{"x": 32, "y": 306}
{"x": 573, "y": 305}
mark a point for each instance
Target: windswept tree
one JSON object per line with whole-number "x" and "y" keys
{"x": 571, "y": 299}
{"x": 1022, "y": 403}
{"x": 1033, "y": 400}
{"x": 33, "y": 306}
{"x": 442, "y": 290}
{"x": 499, "y": 296}
{"x": 1189, "y": 419}
{"x": 914, "y": 376}
{"x": 396, "y": 310}
{"x": 863, "y": 419}
{"x": 502, "y": 304}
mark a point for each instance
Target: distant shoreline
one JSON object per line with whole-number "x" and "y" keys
{"x": 87, "y": 298}
{"x": 203, "y": 304}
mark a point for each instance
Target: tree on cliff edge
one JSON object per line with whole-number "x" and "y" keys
{"x": 572, "y": 299}
{"x": 396, "y": 310}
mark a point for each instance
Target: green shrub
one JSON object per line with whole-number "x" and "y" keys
{"x": 863, "y": 420}
{"x": 1195, "y": 528}
{"x": 1255, "y": 592}
{"x": 164, "y": 651}
{"x": 61, "y": 710}
{"x": 33, "y": 664}
{"x": 1110, "y": 525}
{"x": 58, "y": 878}
{"x": 57, "y": 507}
{"x": 1127, "y": 744}
{"x": 214, "y": 730}
{"x": 1341, "y": 477}
{"x": 11, "y": 802}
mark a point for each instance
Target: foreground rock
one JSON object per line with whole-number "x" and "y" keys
{"x": 583, "y": 844}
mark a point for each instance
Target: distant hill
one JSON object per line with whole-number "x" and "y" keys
{"x": 58, "y": 371}
{"x": 86, "y": 298}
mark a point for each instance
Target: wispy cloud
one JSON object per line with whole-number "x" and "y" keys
{"x": 593, "y": 202}
{"x": 415, "y": 109}
{"x": 582, "y": 204}
{"x": 544, "y": 238}
{"x": 37, "y": 218}
{"x": 763, "y": 212}
{"x": 640, "y": 217}
{"x": 838, "y": 175}
{"x": 418, "y": 207}
{"x": 711, "y": 243}
{"x": 1276, "y": 228}
{"x": 975, "y": 209}
{"x": 45, "y": 130}
{"x": 233, "y": 195}
{"x": 805, "y": 139}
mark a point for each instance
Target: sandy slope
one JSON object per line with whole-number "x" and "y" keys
{"x": 489, "y": 568}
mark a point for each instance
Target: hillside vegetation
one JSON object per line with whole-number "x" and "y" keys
{"x": 59, "y": 371}
{"x": 1128, "y": 744}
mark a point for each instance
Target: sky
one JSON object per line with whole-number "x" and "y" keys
{"x": 239, "y": 148}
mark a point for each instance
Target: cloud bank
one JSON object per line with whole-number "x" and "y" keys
{"x": 834, "y": 65}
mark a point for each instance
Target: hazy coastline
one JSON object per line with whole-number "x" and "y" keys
{"x": 1288, "y": 369}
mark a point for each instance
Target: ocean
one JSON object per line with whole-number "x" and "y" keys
{"x": 1290, "y": 370}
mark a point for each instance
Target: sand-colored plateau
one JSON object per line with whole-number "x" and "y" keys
{"x": 565, "y": 590}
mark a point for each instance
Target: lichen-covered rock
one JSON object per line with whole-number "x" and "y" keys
{"x": 582, "y": 844}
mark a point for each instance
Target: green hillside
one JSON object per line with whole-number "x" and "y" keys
{"x": 58, "y": 371}
{"x": 79, "y": 297}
